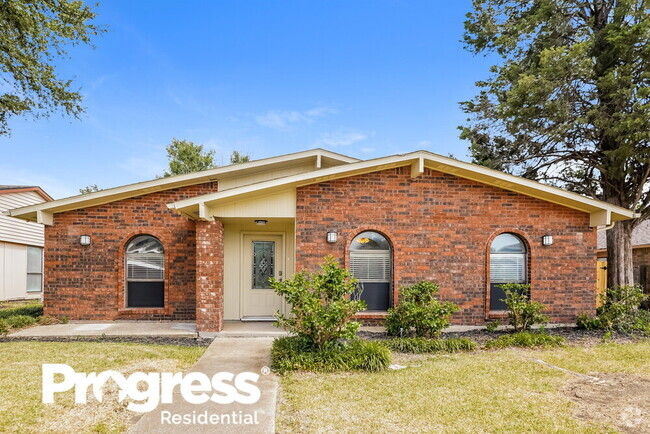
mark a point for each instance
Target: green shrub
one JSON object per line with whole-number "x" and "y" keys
{"x": 620, "y": 311}
{"x": 492, "y": 326}
{"x": 4, "y": 328}
{"x": 522, "y": 311}
{"x": 64, "y": 320}
{"x": 19, "y": 321}
{"x": 321, "y": 307}
{"x": 420, "y": 310}
{"x": 588, "y": 322}
{"x": 525, "y": 339}
{"x": 421, "y": 345}
{"x": 295, "y": 354}
{"x": 33, "y": 310}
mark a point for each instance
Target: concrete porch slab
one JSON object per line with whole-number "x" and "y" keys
{"x": 130, "y": 328}
{"x": 247, "y": 329}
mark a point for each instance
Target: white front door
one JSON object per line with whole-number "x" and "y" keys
{"x": 263, "y": 258}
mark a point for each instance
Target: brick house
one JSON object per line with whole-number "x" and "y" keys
{"x": 202, "y": 246}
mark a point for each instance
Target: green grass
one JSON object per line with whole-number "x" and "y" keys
{"x": 21, "y": 409}
{"x": 490, "y": 391}
{"x": 526, "y": 340}
{"x": 422, "y": 345}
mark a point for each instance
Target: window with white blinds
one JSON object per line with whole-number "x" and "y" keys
{"x": 508, "y": 259}
{"x": 145, "y": 259}
{"x": 145, "y": 266}
{"x": 370, "y": 258}
{"x": 508, "y": 268}
{"x": 370, "y": 266}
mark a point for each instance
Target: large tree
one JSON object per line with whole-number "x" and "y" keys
{"x": 186, "y": 157}
{"x": 34, "y": 36}
{"x": 567, "y": 101}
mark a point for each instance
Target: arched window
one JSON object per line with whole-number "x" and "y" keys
{"x": 370, "y": 263}
{"x": 508, "y": 263}
{"x": 145, "y": 272}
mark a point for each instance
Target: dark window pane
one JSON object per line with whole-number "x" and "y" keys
{"x": 146, "y": 294}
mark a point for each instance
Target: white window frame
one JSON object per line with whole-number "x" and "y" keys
{"x": 34, "y": 273}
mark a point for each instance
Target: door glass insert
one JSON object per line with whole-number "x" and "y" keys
{"x": 263, "y": 263}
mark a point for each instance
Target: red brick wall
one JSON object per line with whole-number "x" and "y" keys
{"x": 88, "y": 283}
{"x": 209, "y": 276}
{"x": 440, "y": 227}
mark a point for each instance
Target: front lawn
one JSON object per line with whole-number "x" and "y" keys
{"x": 488, "y": 391}
{"x": 21, "y": 409}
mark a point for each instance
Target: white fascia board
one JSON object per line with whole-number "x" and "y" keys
{"x": 435, "y": 162}
{"x": 146, "y": 187}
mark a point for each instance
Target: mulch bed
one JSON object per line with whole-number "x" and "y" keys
{"x": 573, "y": 336}
{"x": 153, "y": 340}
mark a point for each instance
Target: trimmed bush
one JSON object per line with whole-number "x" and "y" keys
{"x": 295, "y": 354}
{"x": 419, "y": 309}
{"x": 19, "y": 321}
{"x": 421, "y": 345}
{"x": 620, "y": 312}
{"x": 525, "y": 340}
{"x": 321, "y": 306}
{"x": 522, "y": 312}
{"x": 4, "y": 328}
{"x": 33, "y": 310}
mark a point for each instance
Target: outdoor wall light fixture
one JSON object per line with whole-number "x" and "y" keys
{"x": 84, "y": 240}
{"x": 331, "y": 237}
{"x": 261, "y": 222}
{"x": 547, "y": 240}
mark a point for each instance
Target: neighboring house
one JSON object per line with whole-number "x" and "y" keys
{"x": 21, "y": 245}
{"x": 202, "y": 246}
{"x": 640, "y": 255}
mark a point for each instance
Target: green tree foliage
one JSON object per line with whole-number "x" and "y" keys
{"x": 568, "y": 101}
{"x": 321, "y": 307}
{"x": 420, "y": 310}
{"x": 89, "y": 189}
{"x": 186, "y": 157}
{"x": 237, "y": 158}
{"x": 34, "y": 36}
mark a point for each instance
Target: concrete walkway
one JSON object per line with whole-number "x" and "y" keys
{"x": 127, "y": 328}
{"x": 234, "y": 355}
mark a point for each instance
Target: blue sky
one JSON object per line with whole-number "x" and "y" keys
{"x": 364, "y": 78}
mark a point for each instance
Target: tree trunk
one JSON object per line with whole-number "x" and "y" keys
{"x": 620, "y": 270}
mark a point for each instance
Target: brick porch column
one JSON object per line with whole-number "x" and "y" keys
{"x": 209, "y": 276}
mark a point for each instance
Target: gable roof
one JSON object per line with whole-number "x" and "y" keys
{"x": 10, "y": 189}
{"x": 42, "y": 212}
{"x": 640, "y": 236}
{"x": 601, "y": 213}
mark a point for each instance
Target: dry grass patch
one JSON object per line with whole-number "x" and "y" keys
{"x": 21, "y": 409}
{"x": 497, "y": 391}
